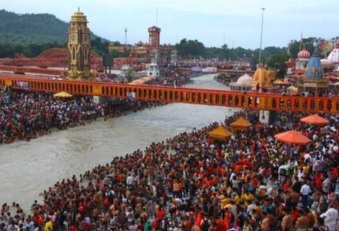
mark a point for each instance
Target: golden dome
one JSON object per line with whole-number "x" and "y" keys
{"x": 78, "y": 16}
{"x": 261, "y": 77}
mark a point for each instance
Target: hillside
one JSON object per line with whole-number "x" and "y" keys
{"x": 24, "y": 29}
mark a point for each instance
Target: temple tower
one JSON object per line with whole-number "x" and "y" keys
{"x": 314, "y": 81}
{"x": 79, "y": 44}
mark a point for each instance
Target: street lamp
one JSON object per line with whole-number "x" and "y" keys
{"x": 262, "y": 25}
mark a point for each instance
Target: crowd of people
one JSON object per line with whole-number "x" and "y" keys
{"x": 26, "y": 115}
{"x": 248, "y": 182}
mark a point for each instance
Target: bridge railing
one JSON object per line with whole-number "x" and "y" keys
{"x": 248, "y": 100}
{"x": 36, "y": 70}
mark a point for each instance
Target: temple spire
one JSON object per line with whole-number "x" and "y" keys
{"x": 301, "y": 46}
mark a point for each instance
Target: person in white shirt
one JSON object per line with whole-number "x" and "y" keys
{"x": 326, "y": 185}
{"x": 129, "y": 180}
{"x": 305, "y": 191}
{"x": 330, "y": 217}
{"x": 283, "y": 172}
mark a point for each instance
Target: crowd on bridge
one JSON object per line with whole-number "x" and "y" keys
{"x": 172, "y": 78}
{"x": 250, "y": 182}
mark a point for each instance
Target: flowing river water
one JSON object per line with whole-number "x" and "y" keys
{"x": 28, "y": 168}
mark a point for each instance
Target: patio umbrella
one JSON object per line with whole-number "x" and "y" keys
{"x": 63, "y": 94}
{"x": 278, "y": 81}
{"x": 293, "y": 88}
{"x": 137, "y": 82}
{"x": 292, "y": 137}
{"x": 314, "y": 119}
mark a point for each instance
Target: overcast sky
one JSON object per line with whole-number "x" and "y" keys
{"x": 212, "y": 22}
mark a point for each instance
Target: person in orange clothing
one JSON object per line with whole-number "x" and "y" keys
{"x": 147, "y": 158}
{"x": 286, "y": 185}
{"x": 39, "y": 220}
{"x": 228, "y": 218}
{"x": 176, "y": 188}
{"x": 187, "y": 224}
{"x": 222, "y": 170}
{"x": 219, "y": 225}
{"x": 199, "y": 217}
{"x": 208, "y": 182}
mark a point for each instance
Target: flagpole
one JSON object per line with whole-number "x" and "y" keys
{"x": 262, "y": 25}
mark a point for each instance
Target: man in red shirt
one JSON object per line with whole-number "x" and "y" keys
{"x": 160, "y": 213}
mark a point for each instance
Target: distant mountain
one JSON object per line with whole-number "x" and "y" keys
{"x": 24, "y": 29}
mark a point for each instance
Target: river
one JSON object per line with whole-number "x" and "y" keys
{"x": 28, "y": 168}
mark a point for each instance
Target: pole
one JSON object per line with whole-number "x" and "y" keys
{"x": 262, "y": 25}
{"x": 156, "y": 18}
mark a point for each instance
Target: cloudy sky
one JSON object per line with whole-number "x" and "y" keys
{"x": 212, "y": 22}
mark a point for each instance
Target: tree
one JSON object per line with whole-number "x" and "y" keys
{"x": 190, "y": 48}
{"x": 295, "y": 46}
{"x": 278, "y": 62}
{"x": 99, "y": 46}
{"x": 129, "y": 76}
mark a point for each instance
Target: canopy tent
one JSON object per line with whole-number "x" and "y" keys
{"x": 314, "y": 119}
{"x": 292, "y": 137}
{"x": 63, "y": 94}
{"x": 220, "y": 133}
{"x": 240, "y": 124}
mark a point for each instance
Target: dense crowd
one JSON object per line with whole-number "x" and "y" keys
{"x": 172, "y": 78}
{"x": 189, "y": 182}
{"x": 26, "y": 115}
{"x": 249, "y": 182}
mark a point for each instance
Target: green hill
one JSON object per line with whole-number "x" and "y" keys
{"x": 24, "y": 29}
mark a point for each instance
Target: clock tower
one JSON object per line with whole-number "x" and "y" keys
{"x": 79, "y": 45}
{"x": 154, "y": 37}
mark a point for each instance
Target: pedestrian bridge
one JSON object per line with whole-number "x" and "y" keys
{"x": 248, "y": 100}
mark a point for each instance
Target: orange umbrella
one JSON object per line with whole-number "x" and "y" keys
{"x": 136, "y": 82}
{"x": 314, "y": 119}
{"x": 292, "y": 137}
{"x": 63, "y": 94}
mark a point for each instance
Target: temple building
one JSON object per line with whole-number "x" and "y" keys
{"x": 333, "y": 57}
{"x": 79, "y": 45}
{"x": 244, "y": 83}
{"x": 313, "y": 81}
{"x": 302, "y": 60}
{"x": 261, "y": 78}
